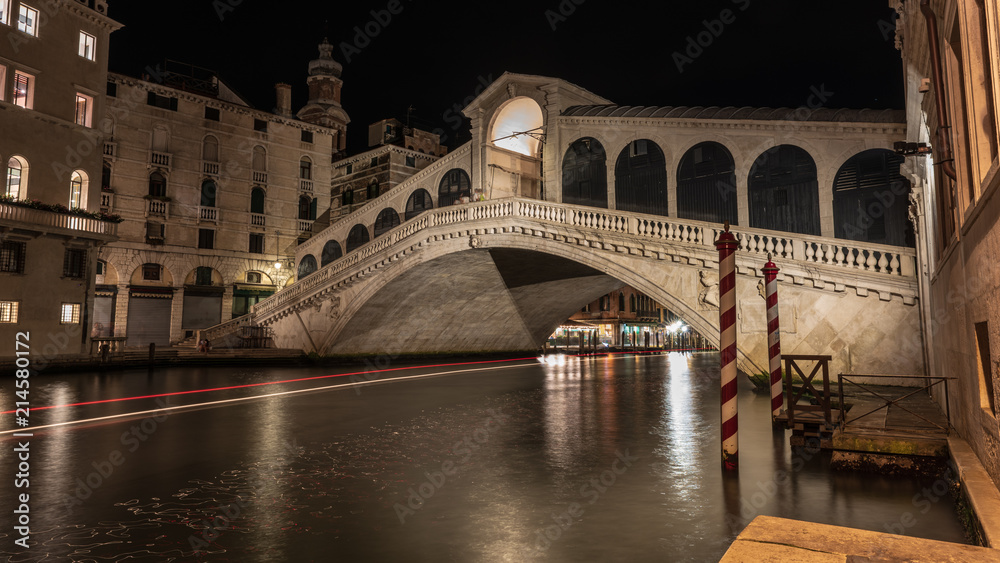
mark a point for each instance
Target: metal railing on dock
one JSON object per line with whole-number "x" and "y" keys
{"x": 887, "y": 402}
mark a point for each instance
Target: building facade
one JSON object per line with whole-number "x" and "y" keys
{"x": 53, "y": 71}
{"x": 951, "y": 59}
{"x": 625, "y": 316}
{"x": 215, "y": 195}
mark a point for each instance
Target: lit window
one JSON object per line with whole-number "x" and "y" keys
{"x": 24, "y": 89}
{"x": 70, "y": 314}
{"x": 12, "y": 256}
{"x": 8, "y": 311}
{"x": 4, "y": 11}
{"x": 27, "y": 20}
{"x": 87, "y": 44}
{"x": 84, "y": 109}
{"x": 75, "y": 189}
{"x": 3, "y": 74}
{"x": 16, "y": 169}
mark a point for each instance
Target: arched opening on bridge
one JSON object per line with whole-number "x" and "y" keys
{"x": 306, "y": 266}
{"x": 585, "y": 174}
{"x": 641, "y": 178}
{"x": 453, "y": 187}
{"x": 706, "y": 184}
{"x": 518, "y": 126}
{"x": 386, "y": 220}
{"x": 418, "y": 202}
{"x": 784, "y": 192}
{"x": 871, "y": 200}
{"x": 357, "y": 237}
{"x": 331, "y": 252}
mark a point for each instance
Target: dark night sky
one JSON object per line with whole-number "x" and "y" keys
{"x": 436, "y": 55}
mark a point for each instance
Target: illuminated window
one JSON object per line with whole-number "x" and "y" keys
{"x": 27, "y": 20}
{"x": 76, "y": 184}
{"x": 24, "y": 89}
{"x": 74, "y": 263}
{"x": 3, "y": 75}
{"x": 4, "y": 11}
{"x": 8, "y": 311}
{"x": 16, "y": 177}
{"x": 70, "y": 314}
{"x": 12, "y": 257}
{"x": 84, "y": 109}
{"x": 87, "y": 44}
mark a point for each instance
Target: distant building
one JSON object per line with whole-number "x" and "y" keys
{"x": 53, "y": 72}
{"x": 624, "y": 317}
{"x": 215, "y": 195}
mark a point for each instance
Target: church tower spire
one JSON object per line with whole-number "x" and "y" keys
{"x": 325, "y": 84}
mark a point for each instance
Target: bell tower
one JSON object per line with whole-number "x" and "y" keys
{"x": 325, "y": 84}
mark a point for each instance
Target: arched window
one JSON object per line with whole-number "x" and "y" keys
{"x": 306, "y": 208}
{"x": 208, "y": 190}
{"x": 641, "y": 178}
{"x": 77, "y": 185}
{"x": 17, "y": 177}
{"x": 306, "y": 266}
{"x": 106, "y": 176}
{"x": 157, "y": 185}
{"x": 387, "y": 219}
{"x": 631, "y": 303}
{"x": 210, "y": 149}
{"x": 418, "y": 202}
{"x": 706, "y": 184}
{"x": 373, "y": 190}
{"x": 331, "y": 252}
{"x": 621, "y": 302}
{"x": 257, "y": 200}
{"x": 305, "y": 168}
{"x": 585, "y": 174}
{"x": 357, "y": 237}
{"x": 454, "y": 185}
{"x": 259, "y": 159}
{"x": 871, "y": 200}
{"x": 784, "y": 192}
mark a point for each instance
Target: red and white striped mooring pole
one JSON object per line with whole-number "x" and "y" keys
{"x": 727, "y": 245}
{"x": 773, "y": 336}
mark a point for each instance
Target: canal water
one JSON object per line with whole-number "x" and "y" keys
{"x": 612, "y": 458}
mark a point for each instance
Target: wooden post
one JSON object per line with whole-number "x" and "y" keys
{"x": 773, "y": 336}
{"x": 727, "y": 245}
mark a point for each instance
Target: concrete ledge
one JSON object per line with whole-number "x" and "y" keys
{"x": 978, "y": 488}
{"x": 779, "y": 540}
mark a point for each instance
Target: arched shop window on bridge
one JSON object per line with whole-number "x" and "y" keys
{"x": 418, "y": 202}
{"x": 386, "y": 220}
{"x": 331, "y": 252}
{"x": 784, "y": 193}
{"x": 306, "y": 266}
{"x": 584, "y": 174}
{"x": 871, "y": 199}
{"x": 454, "y": 185}
{"x": 706, "y": 184}
{"x": 641, "y": 178}
{"x": 357, "y": 237}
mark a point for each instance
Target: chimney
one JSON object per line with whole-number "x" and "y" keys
{"x": 284, "y": 95}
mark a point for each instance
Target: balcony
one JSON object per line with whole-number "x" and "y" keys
{"x": 257, "y": 219}
{"x": 211, "y": 168}
{"x": 259, "y": 177}
{"x": 210, "y": 214}
{"x": 107, "y": 201}
{"x": 306, "y": 185}
{"x": 305, "y": 226}
{"x": 160, "y": 159}
{"x": 42, "y": 218}
{"x": 111, "y": 149}
{"x": 157, "y": 208}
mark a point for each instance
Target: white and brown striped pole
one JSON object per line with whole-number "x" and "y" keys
{"x": 773, "y": 336}
{"x": 727, "y": 245}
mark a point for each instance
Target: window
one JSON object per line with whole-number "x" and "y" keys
{"x": 256, "y": 243}
{"x": 206, "y": 238}
{"x": 374, "y": 162}
{"x": 74, "y": 263}
{"x": 157, "y": 185}
{"x": 987, "y": 400}
{"x": 112, "y": 90}
{"x": 12, "y": 256}
{"x": 411, "y": 160}
{"x": 210, "y": 149}
{"x": 154, "y": 233}
{"x": 349, "y": 169}
{"x": 3, "y": 74}
{"x": 347, "y": 198}
{"x": 87, "y": 43}
{"x": 27, "y": 20}
{"x": 305, "y": 169}
{"x": 212, "y": 114}
{"x": 77, "y": 183}
{"x": 16, "y": 170}
{"x": 254, "y": 277}
{"x": 208, "y": 191}
{"x": 151, "y": 272}
{"x": 305, "y": 206}
{"x": 106, "y": 176}
{"x": 4, "y": 11}
{"x": 162, "y": 102}
{"x": 84, "y": 109}
{"x": 70, "y": 314}
{"x": 256, "y": 200}
{"x": 24, "y": 90}
{"x": 307, "y": 136}
{"x": 631, "y": 303}
{"x": 259, "y": 159}
{"x": 203, "y": 275}
{"x": 373, "y": 189}
{"x": 621, "y": 302}
{"x": 260, "y": 125}
{"x": 101, "y": 266}
{"x": 8, "y": 310}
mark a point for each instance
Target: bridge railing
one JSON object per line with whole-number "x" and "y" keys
{"x": 807, "y": 249}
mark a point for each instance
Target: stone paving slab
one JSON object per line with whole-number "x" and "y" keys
{"x": 770, "y": 539}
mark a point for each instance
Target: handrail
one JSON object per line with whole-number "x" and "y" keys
{"x": 842, "y": 377}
